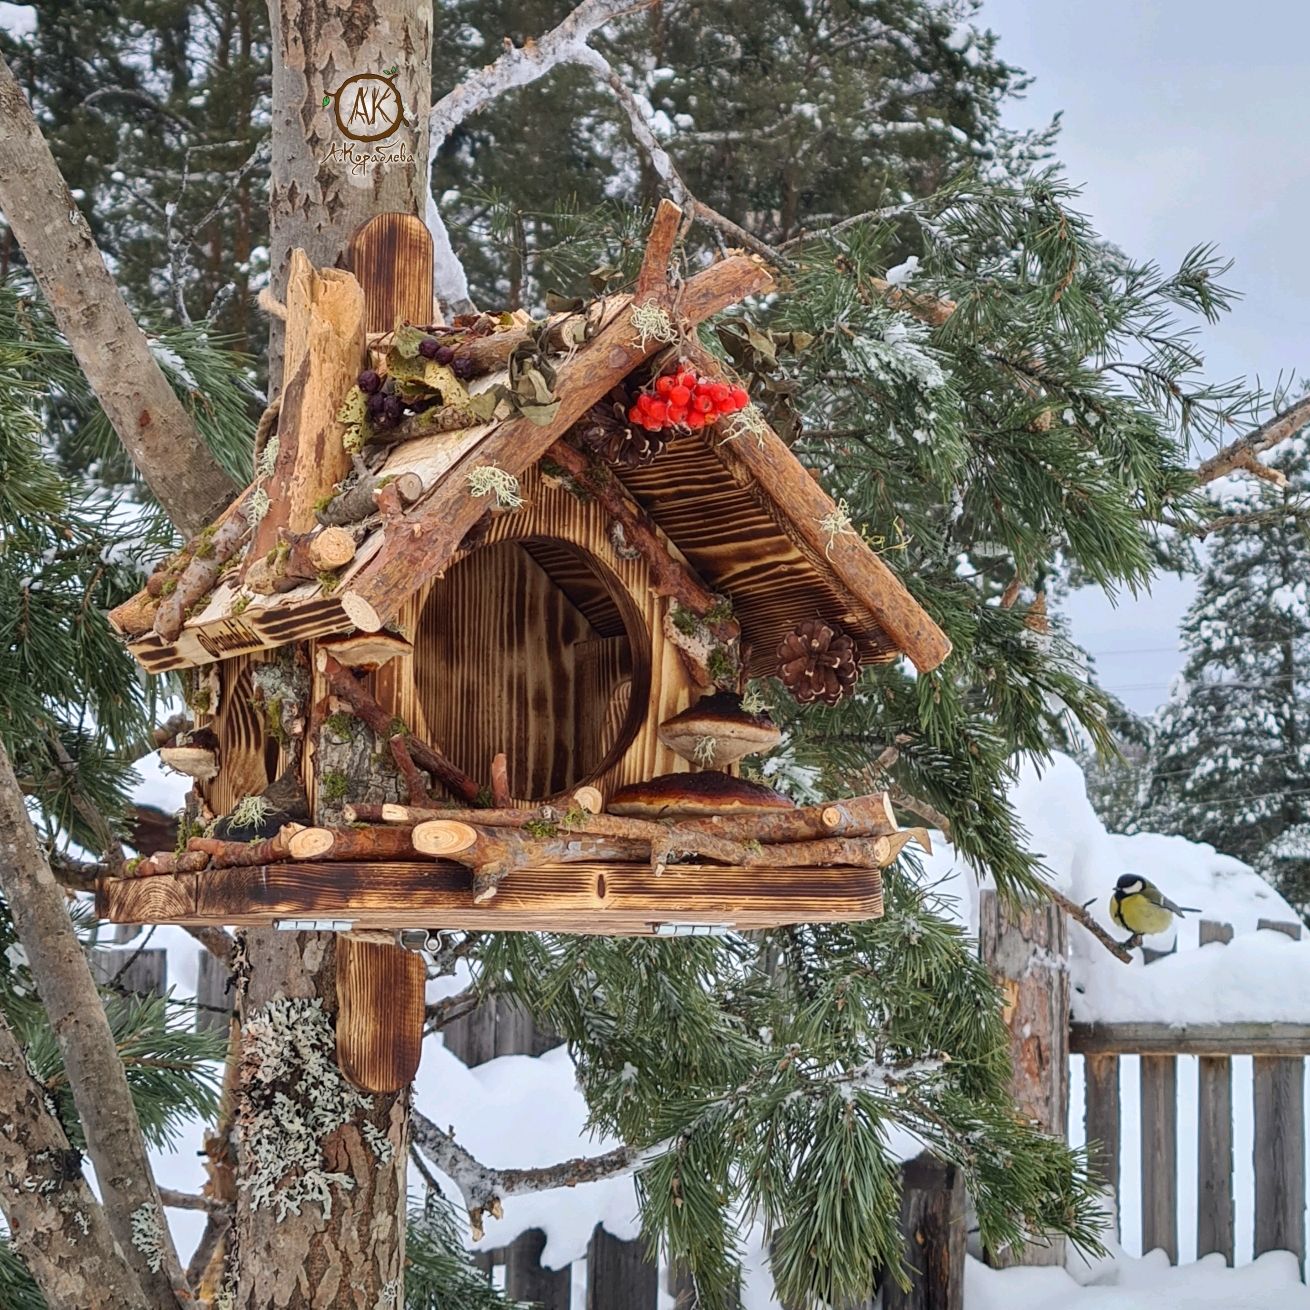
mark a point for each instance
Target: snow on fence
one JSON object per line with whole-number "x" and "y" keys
{"x": 1279, "y": 1051}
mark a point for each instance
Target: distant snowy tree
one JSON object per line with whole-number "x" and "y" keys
{"x": 1231, "y": 763}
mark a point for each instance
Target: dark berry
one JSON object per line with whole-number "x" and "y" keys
{"x": 369, "y": 381}
{"x": 429, "y": 347}
{"x": 444, "y": 355}
{"x": 463, "y": 368}
{"x": 395, "y": 407}
{"x": 375, "y": 404}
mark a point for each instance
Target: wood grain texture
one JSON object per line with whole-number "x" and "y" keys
{"x": 1102, "y": 1122}
{"x": 1160, "y": 1154}
{"x": 768, "y": 463}
{"x": 324, "y": 353}
{"x": 391, "y": 256}
{"x": 581, "y": 898}
{"x": 1214, "y": 1137}
{"x": 620, "y": 1273}
{"x": 380, "y": 1020}
{"x": 933, "y": 1237}
{"x": 242, "y": 754}
{"x": 1027, "y": 951}
{"x": 1208, "y": 1039}
{"x": 1280, "y": 1146}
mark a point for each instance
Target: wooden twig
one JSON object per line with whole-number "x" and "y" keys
{"x": 375, "y": 843}
{"x": 1077, "y": 912}
{"x": 300, "y": 557}
{"x": 245, "y": 854}
{"x": 344, "y": 684}
{"x": 414, "y": 784}
{"x": 654, "y": 274}
{"x": 199, "y": 577}
{"x": 500, "y": 794}
{"x": 359, "y": 500}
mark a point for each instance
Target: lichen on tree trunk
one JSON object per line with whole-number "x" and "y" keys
{"x": 320, "y": 1217}
{"x": 353, "y": 768}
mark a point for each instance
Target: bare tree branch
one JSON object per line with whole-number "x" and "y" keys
{"x": 110, "y": 348}
{"x": 483, "y": 1188}
{"x": 95, "y": 1072}
{"x": 1242, "y": 454}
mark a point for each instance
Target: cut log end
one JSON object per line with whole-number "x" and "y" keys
{"x": 311, "y": 842}
{"x": 443, "y": 837}
{"x": 331, "y": 548}
{"x": 589, "y": 799}
{"x": 360, "y": 612}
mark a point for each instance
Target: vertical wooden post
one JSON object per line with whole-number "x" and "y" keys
{"x": 501, "y": 1026}
{"x": 214, "y": 998}
{"x": 141, "y": 973}
{"x": 1214, "y": 1137}
{"x": 1027, "y": 951}
{"x": 1160, "y": 1154}
{"x": 1102, "y": 1122}
{"x": 1280, "y": 1145}
{"x": 526, "y": 1279}
{"x": 933, "y": 1234}
{"x": 619, "y": 1274}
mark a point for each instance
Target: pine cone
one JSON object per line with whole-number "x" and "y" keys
{"x": 606, "y": 432}
{"x": 818, "y": 661}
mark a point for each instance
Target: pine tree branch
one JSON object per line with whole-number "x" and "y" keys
{"x": 110, "y": 347}
{"x": 55, "y": 1222}
{"x": 439, "y": 1014}
{"x": 94, "y": 1070}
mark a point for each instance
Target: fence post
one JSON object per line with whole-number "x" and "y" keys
{"x": 619, "y": 1276}
{"x": 1280, "y": 1145}
{"x": 500, "y": 1026}
{"x": 1102, "y": 1123}
{"x": 214, "y": 998}
{"x": 1027, "y": 951}
{"x": 1160, "y": 1154}
{"x": 932, "y": 1236}
{"x": 1214, "y": 1136}
{"x": 141, "y": 972}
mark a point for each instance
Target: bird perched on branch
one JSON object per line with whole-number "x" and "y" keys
{"x": 1140, "y": 906}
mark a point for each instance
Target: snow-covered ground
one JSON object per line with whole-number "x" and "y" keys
{"x": 539, "y": 1116}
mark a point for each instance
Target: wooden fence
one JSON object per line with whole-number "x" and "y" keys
{"x": 1279, "y": 1051}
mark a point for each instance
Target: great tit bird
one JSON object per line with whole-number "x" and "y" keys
{"x": 1140, "y": 906}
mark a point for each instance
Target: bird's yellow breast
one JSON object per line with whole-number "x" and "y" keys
{"x": 1139, "y": 914}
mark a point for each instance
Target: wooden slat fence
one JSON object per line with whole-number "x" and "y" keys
{"x": 1279, "y": 1051}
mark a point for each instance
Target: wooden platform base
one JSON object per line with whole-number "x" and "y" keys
{"x": 610, "y": 899}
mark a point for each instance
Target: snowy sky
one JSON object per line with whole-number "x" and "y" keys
{"x": 1184, "y": 121}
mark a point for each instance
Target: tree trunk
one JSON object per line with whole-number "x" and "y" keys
{"x": 320, "y": 1217}
{"x": 95, "y": 1071}
{"x": 347, "y": 1248}
{"x": 55, "y": 1223}
{"x": 317, "y": 197}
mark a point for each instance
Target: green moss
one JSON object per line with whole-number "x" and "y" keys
{"x": 201, "y": 701}
{"x": 204, "y": 550}
{"x": 324, "y": 501}
{"x": 333, "y": 786}
{"x": 185, "y": 831}
{"x": 484, "y": 799}
{"x": 574, "y": 817}
{"x": 327, "y": 580}
{"x": 541, "y": 828}
{"x": 169, "y": 587}
{"x": 721, "y": 666}
{"x": 241, "y": 604}
{"x": 340, "y": 724}
{"x": 133, "y": 865}
{"x": 720, "y": 612}
{"x": 398, "y": 728}
{"x": 684, "y": 620}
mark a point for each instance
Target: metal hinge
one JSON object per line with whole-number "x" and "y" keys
{"x": 314, "y": 925}
{"x": 691, "y": 929}
{"x": 426, "y": 941}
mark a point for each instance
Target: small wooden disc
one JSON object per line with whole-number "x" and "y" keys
{"x": 443, "y": 837}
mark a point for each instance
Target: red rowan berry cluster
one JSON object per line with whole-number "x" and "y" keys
{"x": 682, "y": 399}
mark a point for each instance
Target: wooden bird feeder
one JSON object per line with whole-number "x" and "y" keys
{"x": 420, "y": 671}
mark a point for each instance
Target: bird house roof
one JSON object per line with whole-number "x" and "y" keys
{"x": 730, "y": 499}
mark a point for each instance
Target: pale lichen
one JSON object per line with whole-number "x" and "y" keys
{"x": 295, "y": 1099}
{"x": 651, "y": 322}
{"x": 267, "y": 460}
{"x": 257, "y": 507}
{"x": 704, "y": 751}
{"x": 148, "y": 1235}
{"x": 488, "y": 480}
{"x": 749, "y": 422}
{"x": 837, "y": 523}
{"x": 250, "y": 812}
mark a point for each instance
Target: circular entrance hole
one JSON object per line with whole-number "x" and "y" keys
{"x": 533, "y": 648}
